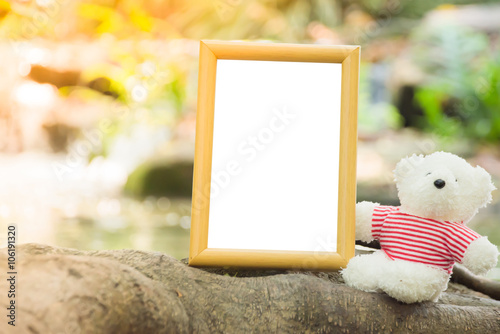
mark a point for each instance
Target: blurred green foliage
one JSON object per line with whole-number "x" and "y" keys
{"x": 151, "y": 61}
{"x": 281, "y": 20}
{"x": 374, "y": 117}
{"x": 284, "y": 20}
{"x": 460, "y": 96}
{"x": 410, "y": 9}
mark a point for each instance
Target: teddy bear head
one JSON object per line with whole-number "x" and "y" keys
{"x": 442, "y": 186}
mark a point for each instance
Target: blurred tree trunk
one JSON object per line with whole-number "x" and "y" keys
{"x": 126, "y": 291}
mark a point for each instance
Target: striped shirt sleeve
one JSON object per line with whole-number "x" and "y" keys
{"x": 380, "y": 213}
{"x": 459, "y": 237}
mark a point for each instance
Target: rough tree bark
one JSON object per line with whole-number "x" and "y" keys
{"x": 126, "y": 291}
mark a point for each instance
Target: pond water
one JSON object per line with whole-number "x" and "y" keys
{"x": 151, "y": 225}
{"x": 85, "y": 209}
{"x": 162, "y": 224}
{"x": 155, "y": 224}
{"x": 82, "y": 212}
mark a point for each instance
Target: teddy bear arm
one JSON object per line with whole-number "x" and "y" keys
{"x": 364, "y": 213}
{"x": 480, "y": 256}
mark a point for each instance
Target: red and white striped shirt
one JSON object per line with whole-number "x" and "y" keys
{"x": 412, "y": 238}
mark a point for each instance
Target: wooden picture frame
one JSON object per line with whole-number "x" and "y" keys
{"x": 213, "y": 53}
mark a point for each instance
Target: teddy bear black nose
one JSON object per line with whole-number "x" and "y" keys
{"x": 439, "y": 184}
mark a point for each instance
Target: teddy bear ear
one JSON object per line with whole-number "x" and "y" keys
{"x": 483, "y": 180}
{"x": 407, "y": 165}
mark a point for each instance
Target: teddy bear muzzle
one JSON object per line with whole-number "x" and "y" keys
{"x": 439, "y": 184}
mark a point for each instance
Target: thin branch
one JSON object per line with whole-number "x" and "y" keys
{"x": 481, "y": 284}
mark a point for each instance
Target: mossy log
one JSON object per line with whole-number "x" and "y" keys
{"x": 127, "y": 291}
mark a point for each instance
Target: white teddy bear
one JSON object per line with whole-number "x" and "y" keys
{"x": 423, "y": 238}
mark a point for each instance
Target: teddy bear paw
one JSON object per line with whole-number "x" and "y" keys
{"x": 411, "y": 282}
{"x": 363, "y": 271}
{"x": 480, "y": 256}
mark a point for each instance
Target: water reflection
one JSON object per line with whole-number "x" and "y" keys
{"x": 84, "y": 212}
{"x": 148, "y": 225}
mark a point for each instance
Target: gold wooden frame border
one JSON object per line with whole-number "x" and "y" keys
{"x": 210, "y": 51}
